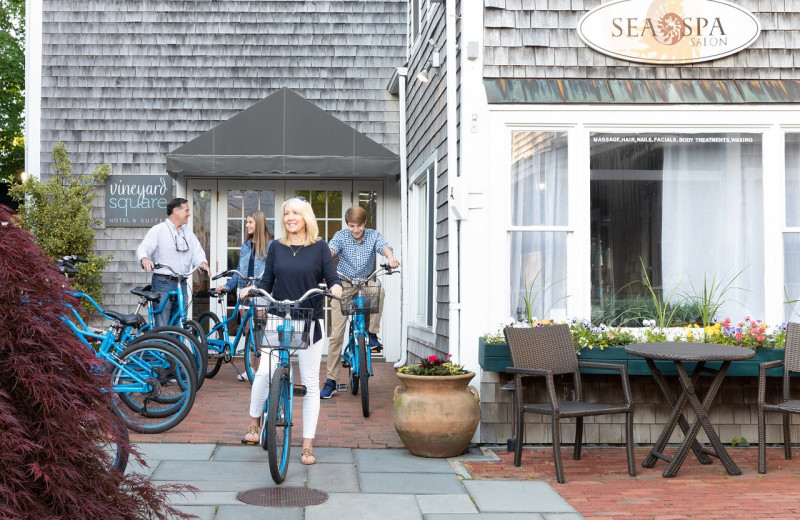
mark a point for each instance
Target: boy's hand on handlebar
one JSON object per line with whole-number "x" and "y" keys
{"x": 336, "y": 291}
{"x": 393, "y": 263}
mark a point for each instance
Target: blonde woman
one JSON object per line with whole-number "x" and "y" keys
{"x": 295, "y": 264}
{"x": 252, "y": 258}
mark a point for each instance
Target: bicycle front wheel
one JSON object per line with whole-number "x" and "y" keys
{"x": 279, "y": 423}
{"x": 252, "y": 350}
{"x": 209, "y": 322}
{"x": 363, "y": 374}
{"x": 154, "y": 386}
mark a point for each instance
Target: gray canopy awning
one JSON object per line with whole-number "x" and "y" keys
{"x": 283, "y": 134}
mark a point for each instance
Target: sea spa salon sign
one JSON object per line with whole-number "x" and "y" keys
{"x": 668, "y": 32}
{"x": 137, "y": 200}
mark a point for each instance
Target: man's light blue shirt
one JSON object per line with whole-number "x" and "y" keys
{"x": 357, "y": 258}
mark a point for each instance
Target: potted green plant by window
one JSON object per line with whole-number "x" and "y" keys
{"x": 435, "y": 411}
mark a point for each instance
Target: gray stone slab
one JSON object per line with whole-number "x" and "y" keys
{"x": 385, "y": 507}
{"x": 398, "y": 461}
{"x": 201, "y": 512}
{"x": 241, "y": 453}
{"x": 333, "y": 478}
{"x": 135, "y": 467}
{"x": 248, "y": 512}
{"x": 563, "y": 516}
{"x": 516, "y": 497}
{"x": 445, "y": 504}
{"x": 222, "y": 471}
{"x": 205, "y": 498}
{"x": 411, "y": 483}
{"x": 176, "y": 451}
{"x": 331, "y": 455}
{"x": 484, "y": 516}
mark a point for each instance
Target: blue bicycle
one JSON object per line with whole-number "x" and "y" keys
{"x": 284, "y": 327}
{"x": 221, "y": 347}
{"x": 358, "y": 301}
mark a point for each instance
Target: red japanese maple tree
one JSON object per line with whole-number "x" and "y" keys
{"x": 53, "y": 411}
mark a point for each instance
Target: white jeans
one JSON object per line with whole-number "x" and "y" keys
{"x": 309, "y": 361}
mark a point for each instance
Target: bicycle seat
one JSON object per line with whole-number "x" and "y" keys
{"x": 145, "y": 292}
{"x": 129, "y": 320}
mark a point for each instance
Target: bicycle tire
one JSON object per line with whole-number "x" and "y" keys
{"x": 354, "y": 374}
{"x": 209, "y": 322}
{"x": 120, "y": 453}
{"x": 197, "y": 354}
{"x": 363, "y": 374}
{"x": 279, "y": 423}
{"x": 197, "y": 331}
{"x": 174, "y": 336}
{"x": 178, "y": 380}
{"x": 252, "y": 349}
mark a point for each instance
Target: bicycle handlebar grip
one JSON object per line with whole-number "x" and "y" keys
{"x": 157, "y": 266}
{"x": 223, "y": 274}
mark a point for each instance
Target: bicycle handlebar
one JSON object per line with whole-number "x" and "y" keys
{"x": 230, "y": 272}
{"x": 255, "y": 291}
{"x": 179, "y": 275}
{"x": 382, "y": 269}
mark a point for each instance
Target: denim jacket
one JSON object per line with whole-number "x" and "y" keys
{"x": 244, "y": 262}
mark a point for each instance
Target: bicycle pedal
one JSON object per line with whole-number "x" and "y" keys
{"x": 345, "y": 364}
{"x": 300, "y": 390}
{"x": 376, "y": 349}
{"x": 342, "y": 387}
{"x": 250, "y": 443}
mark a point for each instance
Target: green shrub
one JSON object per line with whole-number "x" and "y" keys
{"x": 58, "y": 214}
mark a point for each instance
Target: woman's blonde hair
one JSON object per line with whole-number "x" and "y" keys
{"x": 260, "y": 236}
{"x": 305, "y": 211}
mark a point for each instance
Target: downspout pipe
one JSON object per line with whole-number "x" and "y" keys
{"x": 453, "y": 174}
{"x": 402, "y": 73}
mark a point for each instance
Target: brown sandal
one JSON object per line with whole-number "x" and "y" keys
{"x": 308, "y": 457}
{"x": 252, "y": 434}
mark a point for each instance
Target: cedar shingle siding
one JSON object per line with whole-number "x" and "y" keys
{"x": 538, "y": 39}
{"x": 124, "y": 82}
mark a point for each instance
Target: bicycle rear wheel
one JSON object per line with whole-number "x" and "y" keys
{"x": 209, "y": 322}
{"x": 279, "y": 423}
{"x": 196, "y": 330}
{"x": 192, "y": 348}
{"x": 363, "y": 374}
{"x": 169, "y": 390}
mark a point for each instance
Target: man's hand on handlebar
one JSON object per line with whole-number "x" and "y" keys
{"x": 147, "y": 264}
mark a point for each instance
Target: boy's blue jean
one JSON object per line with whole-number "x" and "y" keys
{"x": 163, "y": 286}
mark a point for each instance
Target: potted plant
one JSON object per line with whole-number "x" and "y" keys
{"x": 435, "y": 412}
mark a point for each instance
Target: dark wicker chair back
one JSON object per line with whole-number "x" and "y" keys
{"x": 792, "y": 354}
{"x": 549, "y": 347}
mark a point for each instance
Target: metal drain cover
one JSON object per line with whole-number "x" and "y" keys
{"x": 283, "y": 497}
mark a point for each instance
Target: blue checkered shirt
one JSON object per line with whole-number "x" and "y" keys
{"x": 356, "y": 259}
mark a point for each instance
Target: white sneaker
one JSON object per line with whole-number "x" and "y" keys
{"x": 242, "y": 376}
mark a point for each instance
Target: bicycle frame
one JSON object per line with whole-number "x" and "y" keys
{"x": 219, "y": 345}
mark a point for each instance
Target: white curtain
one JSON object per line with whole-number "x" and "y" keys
{"x": 539, "y": 198}
{"x": 712, "y": 222}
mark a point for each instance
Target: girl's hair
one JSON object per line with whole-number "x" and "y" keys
{"x": 260, "y": 236}
{"x": 305, "y": 211}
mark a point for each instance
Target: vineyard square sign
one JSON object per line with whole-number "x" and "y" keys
{"x": 137, "y": 200}
{"x": 668, "y": 32}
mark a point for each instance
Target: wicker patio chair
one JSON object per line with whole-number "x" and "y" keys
{"x": 787, "y": 405}
{"x": 548, "y": 351}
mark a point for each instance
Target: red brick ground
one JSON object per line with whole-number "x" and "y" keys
{"x": 219, "y": 414}
{"x": 599, "y": 487}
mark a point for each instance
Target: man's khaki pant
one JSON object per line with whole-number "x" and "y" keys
{"x": 338, "y": 324}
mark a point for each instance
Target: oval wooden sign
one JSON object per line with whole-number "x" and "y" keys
{"x": 668, "y": 32}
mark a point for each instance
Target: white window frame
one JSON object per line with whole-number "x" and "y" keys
{"x": 580, "y": 121}
{"x": 423, "y": 178}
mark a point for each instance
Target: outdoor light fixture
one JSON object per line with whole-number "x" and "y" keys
{"x": 433, "y": 63}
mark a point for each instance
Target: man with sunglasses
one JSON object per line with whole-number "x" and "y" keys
{"x": 171, "y": 243}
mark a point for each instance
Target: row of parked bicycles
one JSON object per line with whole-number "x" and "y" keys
{"x": 154, "y": 372}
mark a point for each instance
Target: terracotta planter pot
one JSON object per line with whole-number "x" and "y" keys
{"x": 436, "y": 416}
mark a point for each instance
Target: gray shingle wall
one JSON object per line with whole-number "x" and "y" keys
{"x": 538, "y": 39}
{"x": 125, "y": 82}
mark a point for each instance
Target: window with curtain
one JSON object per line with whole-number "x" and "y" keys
{"x": 686, "y": 209}
{"x": 538, "y": 259}
{"x": 791, "y": 237}
{"x": 421, "y": 199}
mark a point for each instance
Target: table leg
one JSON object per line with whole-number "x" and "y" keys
{"x": 676, "y": 418}
{"x": 701, "y": 409}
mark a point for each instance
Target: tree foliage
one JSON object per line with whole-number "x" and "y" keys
{"x": 12, "y": 88}
{"x": 58, "y": 214}
{"x": 54, "y": 413}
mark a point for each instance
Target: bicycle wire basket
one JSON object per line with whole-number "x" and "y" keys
{"x": 277, "y": 331}
{"x": 363, "y": 298}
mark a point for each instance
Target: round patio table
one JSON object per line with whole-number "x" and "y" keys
{"x": 678, "y": 353}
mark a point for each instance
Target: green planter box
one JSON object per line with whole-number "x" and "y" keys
{"x": 495, "y": 357}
